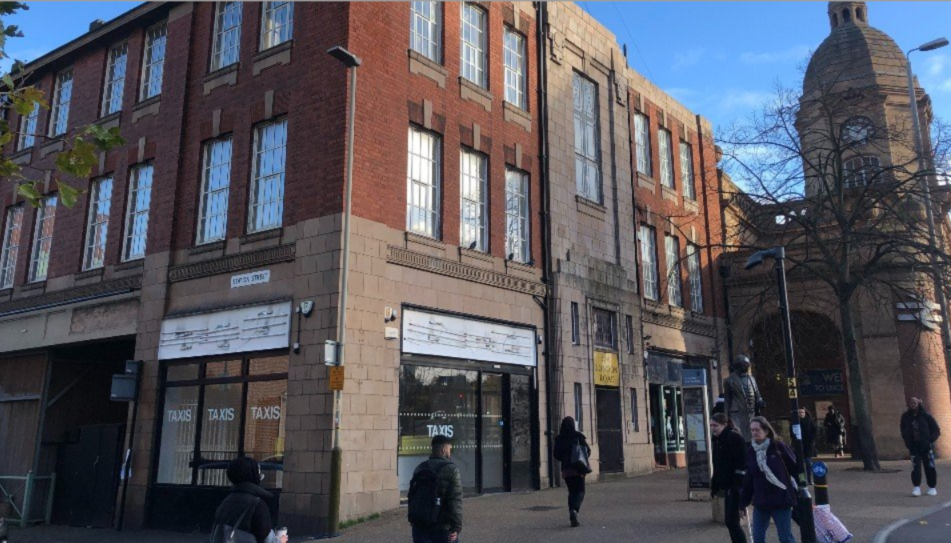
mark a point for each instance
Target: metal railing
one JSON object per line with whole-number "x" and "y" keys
{"x": 28, "y": 487}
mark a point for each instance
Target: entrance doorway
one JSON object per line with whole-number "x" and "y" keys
{"x": 488, "y": 415}
{"x": 610, "y": 436}
{"x": 667, "y": 427}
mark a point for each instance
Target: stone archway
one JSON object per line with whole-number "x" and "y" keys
{"x": 820, "y": 365}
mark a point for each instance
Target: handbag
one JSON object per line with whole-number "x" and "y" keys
{"x": 579, "y": 458}
{"x": 223, "y": 533}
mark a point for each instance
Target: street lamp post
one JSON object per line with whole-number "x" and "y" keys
{"x": 351, "y": 61}
{"x": 925, "y": 181}
{"x": 807, "y": 527}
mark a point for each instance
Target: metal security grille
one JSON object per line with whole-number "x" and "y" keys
{"x": 604, "y": 333}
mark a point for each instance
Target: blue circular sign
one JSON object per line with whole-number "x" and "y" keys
{"x": 819, "y": 469}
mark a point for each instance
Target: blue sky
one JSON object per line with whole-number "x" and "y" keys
{"x": 721, "y": 59}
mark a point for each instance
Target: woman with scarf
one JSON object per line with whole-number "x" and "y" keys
{"x": 769, "y": 485}
{"x": 567, "y": 438}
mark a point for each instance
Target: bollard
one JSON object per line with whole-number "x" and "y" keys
{"x": 819, "y": 473}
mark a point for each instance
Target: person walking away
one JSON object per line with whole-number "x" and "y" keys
{"x": 568, "y": 438}
{"x": 768, "y": 484}
{"x": 808, "y": 429}
{"x": 834, "y": 424}
{"x": 919, "y": 430}
{"x": 435, "y": 496}
{"x": 247, "y": 507}
{"x": 729, "y": 468}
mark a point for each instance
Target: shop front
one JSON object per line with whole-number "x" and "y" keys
{"x": 224, "y": 395}
{"x": 664, "y": 375}
{"x": 472, "y": 380}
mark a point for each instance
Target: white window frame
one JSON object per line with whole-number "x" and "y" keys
{"x": 214, "y": 219}
{"x": 473, "y": 197}
{"x": 696, "y": 281}
{"x": 860, "y": 170}
{"x": 517, "y": 227}
{"x": 113, "y": 87}
{"x": 472, "y": 44}
{"x": 43, "y": 239}
{"x": 674, "y": 278}
{"x": 423, "y": 183}
{"x": 12, "y": 233}
{"x": 642, "y": 136}
{"x": 649, "y": 269}
{"x": 666, "y": 158}
{"x": 225, "y": 54}
{"x": 686, "y": 170}
{"x": 28, "y": 128}
{"x": 97, "y": 223}
{"x": 137, "y": 212}
{"x": 426, "y": 29}
{"x": 587, "y": 138}
{"x": 275, "y": 31}
{"x": 153, "y": 61}
{"x": 62, "y": 95}
{"x": 515, "y": 68}
{"x": 266, "y": 211}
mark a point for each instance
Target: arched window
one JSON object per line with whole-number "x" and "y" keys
{"x": 846, "y": 15}
{"x": 860, "y": 171}
{"x": 835, "y": 21}
{"x": 860, "y": 14}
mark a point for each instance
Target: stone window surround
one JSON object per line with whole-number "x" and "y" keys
{"x": 474, "y": 93}
{"x": 273, "y": 56}
{"x": 421, "y": 65}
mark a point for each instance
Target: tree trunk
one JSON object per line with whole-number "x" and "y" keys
{"x": 857, "y": 388}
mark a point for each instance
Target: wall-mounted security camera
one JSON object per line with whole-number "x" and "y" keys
{"x": 306, "y": 308}
{"x": 389, "y": 314}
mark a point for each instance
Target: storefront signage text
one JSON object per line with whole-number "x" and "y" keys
{"x": 179, "y": 415}
{"x": 606, "y": 371}
{"x": 225, "y": 414}
{"x": 450, "y": 336}
{"x": 255, "y": 328}
{"x": 440, "y": 430}
{"x": 822, "y": 383}
{"x": 248, "y": 279}
{"x": 266, "y": 413}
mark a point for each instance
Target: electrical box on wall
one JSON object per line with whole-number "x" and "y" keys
{"x": 391, "y": 333}
{"x": 330, "y": 353}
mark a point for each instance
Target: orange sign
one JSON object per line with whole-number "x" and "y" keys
{"x": 336, "y": 377}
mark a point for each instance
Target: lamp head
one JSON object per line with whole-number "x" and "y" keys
{"x": 755, "y": 260}
{"x": 934, "y": 44}
{"x": 346, "y": 57}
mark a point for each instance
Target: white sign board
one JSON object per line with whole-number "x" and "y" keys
{"x": 239, "y": 330}
{"x": 457, "y": 337}
{"x": 248, "y": 279}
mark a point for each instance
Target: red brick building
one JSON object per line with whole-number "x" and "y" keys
{"x": 196, "y": 243}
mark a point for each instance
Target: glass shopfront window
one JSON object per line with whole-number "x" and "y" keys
{"x": 217, "y": 410}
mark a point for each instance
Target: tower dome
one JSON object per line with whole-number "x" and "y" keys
{"x": 854, "y": 54}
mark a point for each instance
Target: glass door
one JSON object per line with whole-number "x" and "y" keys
{"x": 519, "y": 427}
{"x": 493, "y": 433}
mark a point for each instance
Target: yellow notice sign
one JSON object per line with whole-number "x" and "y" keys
{"x": 336, "y": 377}
{"x": 606, "y": 371}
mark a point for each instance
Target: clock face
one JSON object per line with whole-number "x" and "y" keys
{"x": 858, "y": 130}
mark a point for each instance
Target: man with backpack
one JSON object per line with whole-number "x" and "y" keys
{"x": 435, "y": 497}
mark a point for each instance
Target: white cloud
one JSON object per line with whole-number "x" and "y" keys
{"x": 690, "y": 57}
{"x": 936, "y": 64}
{"x": 743, "y": 99}
{"x": 795, "y": 53}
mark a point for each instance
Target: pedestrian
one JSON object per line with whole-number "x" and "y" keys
{"x": 808, "y": 429}
{"x": 719, "y": 406}
{"x": 768, "y": 484}
{"x": 919, "y": 430}
{"x": 247, "y": 507}
{"x": 729, "y": 468}
{"x": 835, "y": 431}
{"x": 568, "y": 439}
{"x": 435, "y": 496}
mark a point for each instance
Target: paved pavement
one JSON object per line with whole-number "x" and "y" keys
{"x": 932, "y": 528}
{"x": 650, "y": 508}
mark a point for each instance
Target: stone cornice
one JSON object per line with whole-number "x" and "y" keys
{"x": 404, "y": 257}
{"x": 667, "y": 317}
{"x": 230, "y": 263}
{"x": 71, "y": 295}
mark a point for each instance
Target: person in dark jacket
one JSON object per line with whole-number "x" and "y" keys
{"x": 568, "y": 437}
{"x": 768, "y": 484}
{"x": 919, "y": 430}
{"x": 729, "y": 468}
{"x": 808, "y": 429}
{"x": 834, "y": 424}
{"x": 449, "y": 491}
{"x": 245, "y": 476}
{"x": 719, "y": 406}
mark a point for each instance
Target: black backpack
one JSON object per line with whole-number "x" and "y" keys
{"x": 424, "y": 501}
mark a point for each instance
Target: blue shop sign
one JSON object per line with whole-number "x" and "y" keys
{"x": 822, "y": 383}
{"x": 694, "y": 377}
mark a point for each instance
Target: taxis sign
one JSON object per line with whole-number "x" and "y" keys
{"x": 606, "y": 370}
